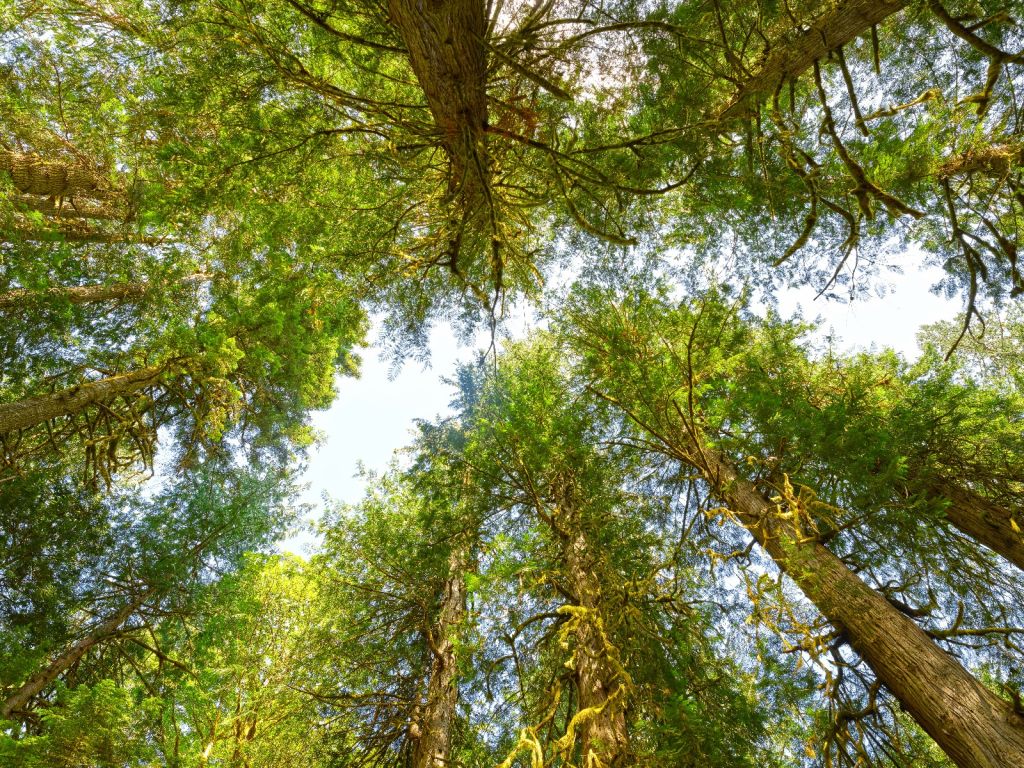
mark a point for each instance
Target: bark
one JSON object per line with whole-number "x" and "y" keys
{"x": 982, "y": 520}
{"x": 974, "y": 727}
{"x": 835, "y": 27}
{"x": 437, "y": 718}
{"x": 447, "y": 51}
{"x": 34, "y": 176}
{"x": 86, "y": 294}
{"x": 66, "y": 659}
{"x": 33, "y": 411}
{"x": 605, "y": 735}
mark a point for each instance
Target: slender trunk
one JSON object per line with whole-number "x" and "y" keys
{"x": 71, "y": 209}
{"x": 605, "y": 736}
{"x": 835, "y": 27}
{"x": 34, "y": 176}
{"x": 33, "y": 411}
{"x": 447, "y": 51}
{"x": 44, "y": 677}
{"x": 437, "y": 718}
{"x": 87, "y": 294}
{"x": 975, "y": 728}
{"x": 72, "y": 233}
{"x": 985, "y": 522}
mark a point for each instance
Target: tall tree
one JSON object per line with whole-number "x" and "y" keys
{"x": 160, "y": 553}
{"x": 668, "y": 389}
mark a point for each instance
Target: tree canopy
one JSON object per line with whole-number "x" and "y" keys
{"x": 666, "y": 527}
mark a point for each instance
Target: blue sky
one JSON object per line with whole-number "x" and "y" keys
{"x": 374, "y": 415}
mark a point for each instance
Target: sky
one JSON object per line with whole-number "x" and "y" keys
{"x": 374, "y": 415}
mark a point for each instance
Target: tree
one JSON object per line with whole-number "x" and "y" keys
{"x": 163, "y": 551}
{"x": 594, "y": 599}
{"x": 253, "y": 362}
{"x": 670, "y": 390}
{"x": 396, "y": 619}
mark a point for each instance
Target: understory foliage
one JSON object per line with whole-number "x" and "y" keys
{"x": 666, "y": 527}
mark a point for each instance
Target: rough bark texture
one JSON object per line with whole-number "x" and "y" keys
{"x": 837, "y": 25}
{"x": 445, "y": 41}
{"x": 44, "y": 677}
{"x": 433, "y": 747}
{"x": 984, "y": 521}
{"x": 33, "y": 411}
{"x": 975, "y": 728}
{"x": 34, "y": 176}
{"x": 86, "y": 294}
{"x": 605, "y": 735}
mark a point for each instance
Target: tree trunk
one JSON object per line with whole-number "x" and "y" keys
{"x": 973, "y": 726}
{"x": 39, "y": 681}
{"x": 34, "y": 176}
{"x": 447, "y": 51}
{"x": 71, "y": 209}
{"x": 33, "y": 411}
{"x": 433, "y": 747}
{"x": 605, "y": 735}
{"x": 985, "y": 522}
{"x": 835, "y": 27}
{"x": 87, "y": 294}
{"x": 71, "y": 232}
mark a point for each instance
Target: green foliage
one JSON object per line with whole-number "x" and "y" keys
{"x": 221, "y": 191}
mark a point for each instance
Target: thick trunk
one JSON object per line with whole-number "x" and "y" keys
{"x": 985, "y": 522}
{"x": 839, "y": 24}
{"x": 86, "y": 294}
{"x": 437, "y": 718}
{"x": 971, "y": 725}
{"x": 605, "y": 736}
{"x": 447, "y": 51}
{"x": 44, "y": 677}
{"x": 34, "y": 176}
{"x": 33, "y": 411}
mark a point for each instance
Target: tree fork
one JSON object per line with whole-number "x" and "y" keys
{"x": 973, "y": 726}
